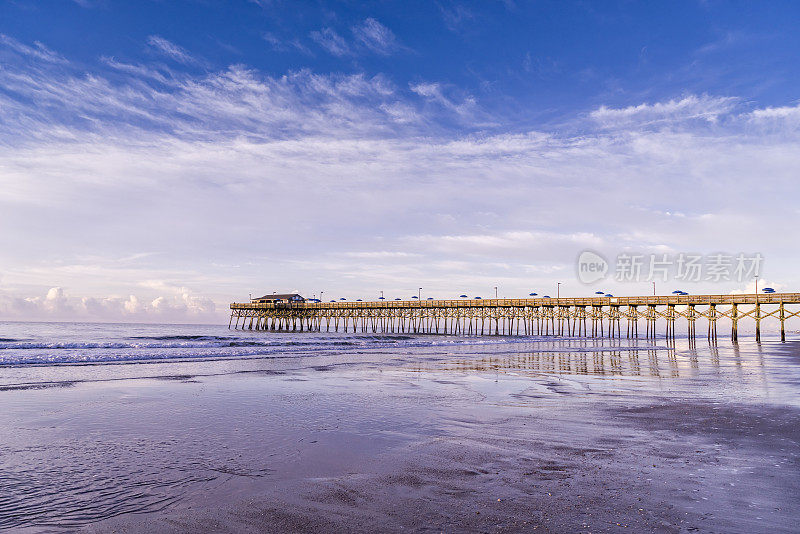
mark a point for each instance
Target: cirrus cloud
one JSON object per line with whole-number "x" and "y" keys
{"x": 188, "y": 190}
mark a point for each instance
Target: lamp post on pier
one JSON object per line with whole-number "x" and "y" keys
{"x": 495, "y": 292}
{"x": 558, "y": 290}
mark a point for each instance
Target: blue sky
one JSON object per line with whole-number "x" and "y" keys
{"x": 159, "y": 159}
{"x": 549, "y": 58}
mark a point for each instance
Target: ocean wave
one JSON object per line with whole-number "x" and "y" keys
{"x": 185, "y": 345}
{"x": 212, "y": 342}
{"x": 134, "y": 346}
{"x": 187, "y": 338}
{"x": 314, "y": 339}
{"x": 120, "y": 345}
{"x": 139, "y": 357}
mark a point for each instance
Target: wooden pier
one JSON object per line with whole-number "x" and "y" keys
{"x": 587, "y": 317}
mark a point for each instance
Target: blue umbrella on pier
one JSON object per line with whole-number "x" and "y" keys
{"x": 381, "y": 298}
{"x": 599, "y": 292}
{"x": 532, "y": 294}
{"x": 768, "y": 290}
{"x": 463, "y": 296}
{"x": 430, "y": 298}
{"x": 333, "y": 301}
{"x": 398, "y": 298}
{"x": 342, "y": 298}
{"x": 608, "y": 295}
{"x": 414, "y": 297}
{"x": 477, "y": 298}
{"x": 546, "y": 297}
{"x": 358, "y": 300}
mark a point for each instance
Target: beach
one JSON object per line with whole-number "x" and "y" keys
{"x": 399, "y": 267}
{"x": 164, "y": 428}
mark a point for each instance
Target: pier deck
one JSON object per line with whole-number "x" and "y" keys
{"x": 532, "y": 316}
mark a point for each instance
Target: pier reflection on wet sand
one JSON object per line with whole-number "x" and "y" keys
{"x": 589, "y": 357}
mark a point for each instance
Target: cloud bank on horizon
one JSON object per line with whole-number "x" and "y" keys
{"x": 355, "y": 151}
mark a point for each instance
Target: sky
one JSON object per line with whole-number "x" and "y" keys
{"x": 159, "y": 160}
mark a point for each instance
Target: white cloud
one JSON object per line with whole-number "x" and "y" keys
{"x": 368, "y": 36}
{"x": 400, "y": 112}
{"x": 750, "y": 286}
{"x": 777, "y": 112}
{"x": 435, "y": 92}
{"x": 541, "y": 245}
{"x": 780, "y": 118}
{"x": 456, "y": 16}
{"x": 704, "y": 108}
{"x": 331, "y": 41}
{"x": 142, "y": 71}
{"x": 282, "y": 45}
{"x": 57, "y": 304}
{"x": 231, "y": 102}
{"x": 376, "y": 37}
{"x": 382, "y": 254}
{"x": 37, "y": 51}
{"x": 141, "y": 181}
{"x": 132, "y": 305}
{"x": 171, "y": 50}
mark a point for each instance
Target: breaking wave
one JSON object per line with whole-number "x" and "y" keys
{"x": 88, "y": 344}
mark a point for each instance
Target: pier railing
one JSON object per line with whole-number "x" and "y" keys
{"x": 542, "y": 316}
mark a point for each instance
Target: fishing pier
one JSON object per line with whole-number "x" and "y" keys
{"x": 586, "y": 317}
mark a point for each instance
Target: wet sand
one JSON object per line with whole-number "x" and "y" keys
{"x": 558, "y": 438}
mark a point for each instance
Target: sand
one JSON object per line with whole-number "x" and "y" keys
{"x": 704, "y": 439}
